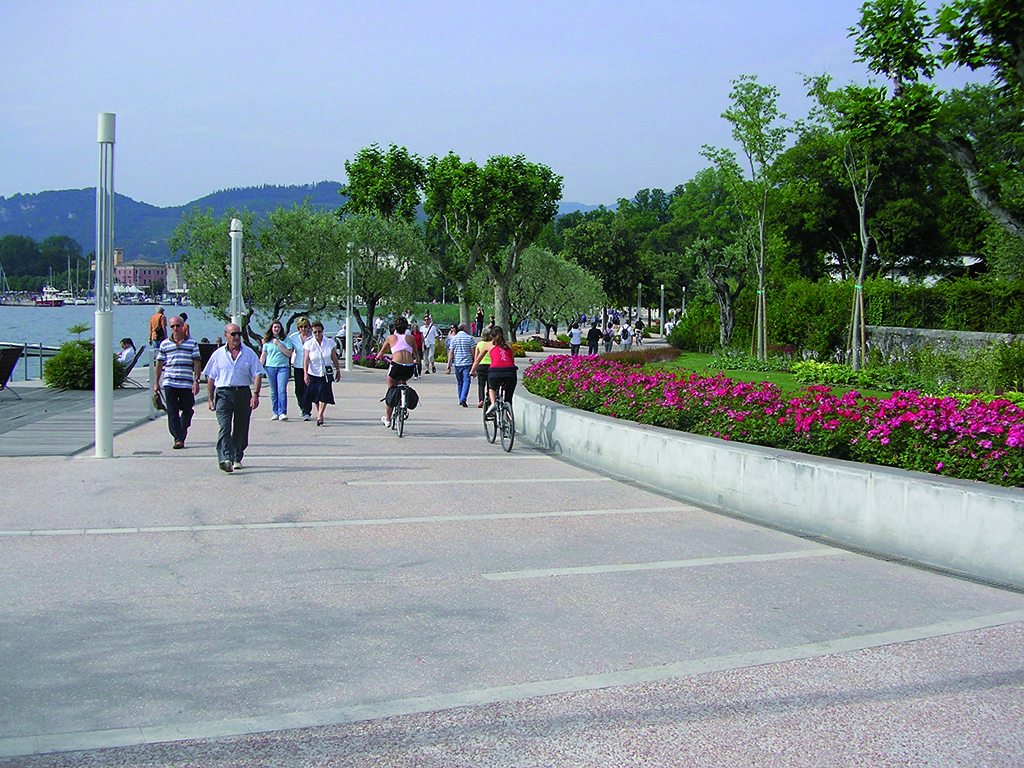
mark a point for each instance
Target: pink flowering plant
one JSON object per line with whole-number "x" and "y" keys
{"x": 975, "y": 440}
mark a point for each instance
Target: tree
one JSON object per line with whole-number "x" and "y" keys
{"x": 491, "y": 214}
{"x": 389, "y": 184}
{"x": 893, "y": 38}
{"x": 725, "y": 267}
{"x": 609, "y": 249}
{"x": 290, "y": 265}
{"x": 551, "y": 288}
{"x": 387, "y": 255}
{"x": 706, "y": 212}
{"x": 754, "y": 116}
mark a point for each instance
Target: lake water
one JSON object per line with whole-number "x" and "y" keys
{"x": 49, "y": 326}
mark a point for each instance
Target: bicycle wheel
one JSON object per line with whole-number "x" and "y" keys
{"x": 400, "y": 414}
{"x": 508, "y": 426}
{"x": 490, "y": 425}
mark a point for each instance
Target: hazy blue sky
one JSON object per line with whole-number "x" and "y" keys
{"x": 614, "y": 96}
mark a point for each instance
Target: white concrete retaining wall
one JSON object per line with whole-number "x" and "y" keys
{"x": 971, "y": 528}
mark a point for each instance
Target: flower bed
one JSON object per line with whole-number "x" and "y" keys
{"x": 371, "y": 361}
{"x": 974, "y": 441}
{"x": 550, "y": 343}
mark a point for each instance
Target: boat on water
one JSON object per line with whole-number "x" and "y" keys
{"x": 51, "y": 297}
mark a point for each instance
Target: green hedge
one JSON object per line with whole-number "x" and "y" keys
{"x": 815, "y": 317}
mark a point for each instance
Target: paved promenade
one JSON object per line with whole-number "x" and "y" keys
{"x": 350, "y": 598}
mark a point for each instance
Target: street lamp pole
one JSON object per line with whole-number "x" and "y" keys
{"x": 638, "y": 301}
{"x": 662, "y": 312}
{"x": 103, "y": 381}
{"x": 348, "y": 318}
{"x": 237, "y": 308}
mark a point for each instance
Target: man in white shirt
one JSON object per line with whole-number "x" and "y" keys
{"x": 429, "y": 331}
{"x": 233, "y": 378}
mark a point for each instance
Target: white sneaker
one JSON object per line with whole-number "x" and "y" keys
{"x": 385, "y": 422}
{"x": 274, "y": 417}
{"x": 283, "y": 417}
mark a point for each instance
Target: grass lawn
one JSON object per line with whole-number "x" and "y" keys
{"x": 694, "y": 362}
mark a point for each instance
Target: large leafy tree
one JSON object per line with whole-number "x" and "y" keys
{"x": 893, "y": 39}
{"x": 290, "y": 264}
{"x": 388, "y": 183}
{"x": 490, "y": 214}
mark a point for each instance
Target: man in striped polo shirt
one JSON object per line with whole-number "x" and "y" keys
{"x": 177, "y": 371}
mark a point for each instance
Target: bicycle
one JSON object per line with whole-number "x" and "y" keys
{"x": 400, "y": 412}
{"x": 501, "y": 421}
{"x": 401, "y": 402}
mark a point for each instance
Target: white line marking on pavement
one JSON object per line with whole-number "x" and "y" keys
{"x": 484, "y": 480}
{"x": 662, "y": 565}
{"x": 339, "y": 523}
{"x": 254, "y": 462}
{"x": 18, "y": 746}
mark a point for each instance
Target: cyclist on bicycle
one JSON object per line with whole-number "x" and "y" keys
{"x": 404, "y": 358}
{"x": 503, "y": 366}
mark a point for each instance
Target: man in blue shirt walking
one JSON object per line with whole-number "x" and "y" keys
{"x": 460, "y": 353}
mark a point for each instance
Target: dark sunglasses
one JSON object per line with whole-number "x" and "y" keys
{"x": 235, "y": 333}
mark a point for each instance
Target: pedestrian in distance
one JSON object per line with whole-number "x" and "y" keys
{"x": 302, "y": 334}
{"x": 157, "y": 327}
{"x": 276, "y": 358}
{"x": 626, "y": 337}
{"x": 460, "y": 356}
{"x": 593, "y": 339}
{"x": 575, "y": 339}
{"x": 429, "y": 331}
{"x": 316, "y": 369}
{"x": 233, "y": 379}
{"x": 177, "y": 373}
{"x": 609, "y": 338}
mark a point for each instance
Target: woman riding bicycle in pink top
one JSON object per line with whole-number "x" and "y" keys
{"x": 404, "y": 358}
{"x": 503, "y": 366}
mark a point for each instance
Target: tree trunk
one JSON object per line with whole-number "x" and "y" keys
{"x": 961, "y": 152}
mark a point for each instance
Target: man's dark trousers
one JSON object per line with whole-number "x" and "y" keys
{"x": 233, "y": 406}
{"x": 181, "y": 404}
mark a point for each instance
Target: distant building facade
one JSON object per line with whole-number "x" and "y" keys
{"x": 140, "y": 272}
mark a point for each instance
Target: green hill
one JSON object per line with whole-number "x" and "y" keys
{"x": 139, "y": 228}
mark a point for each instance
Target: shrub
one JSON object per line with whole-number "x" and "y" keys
{"x": 533, "y": 346}
{"x": 697, "y": 330}
{"x": 518, "y": 350}
{"x": 642, "y": 356}
{"x": 74, "y": 367}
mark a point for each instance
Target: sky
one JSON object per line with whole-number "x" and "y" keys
{"x": 209, "y": 95}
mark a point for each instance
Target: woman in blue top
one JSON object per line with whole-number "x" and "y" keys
{"x": 276, "y": 357}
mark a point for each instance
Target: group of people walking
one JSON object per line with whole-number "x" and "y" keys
{"x": 595, "y": 336}
{"x": 234, "y": 374}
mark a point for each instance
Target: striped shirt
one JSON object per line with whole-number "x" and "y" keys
{"x": 462, "y": 346}
{"x": 178, "y": 370}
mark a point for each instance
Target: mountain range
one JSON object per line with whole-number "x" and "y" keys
{"x": 143, "y": 230}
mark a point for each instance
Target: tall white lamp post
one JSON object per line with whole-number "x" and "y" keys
{"x": 237, "y": 308}
{"x": 638, "y": 301}
{"x": 103, "y": 381}
{"x": 348, "y": 318}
